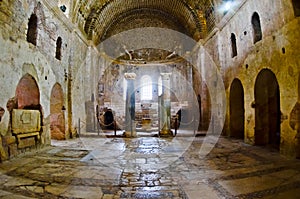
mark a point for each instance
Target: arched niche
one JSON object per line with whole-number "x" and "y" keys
{"x": 237, "y": 110}
{"x": 27, "y": 93}
{"x": 267, "y": 109}
{"x": 257, "y": 32}
{"x": 57, "y": 117}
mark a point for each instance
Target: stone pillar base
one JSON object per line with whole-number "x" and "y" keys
{"x": 128, "y": 134}
{"x": 166, "y": 133}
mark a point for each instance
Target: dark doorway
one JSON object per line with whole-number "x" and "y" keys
{"x": 267, "y": 109}
{"x": 237, "y": 110}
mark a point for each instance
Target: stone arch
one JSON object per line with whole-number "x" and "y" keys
{"x": 257, "y": 33}
{"x": 237, "y": 110}
{"x": 57, "y": 117}
{"x": 32, "y": 29}
{"x": 27, "y": 93}
{"x": 267, "y": 109}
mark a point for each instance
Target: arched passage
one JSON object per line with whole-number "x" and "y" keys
{"x": 57, "y": 118}
{"x": 28, "y": 94}
{"x": 237, "y": 110}
{"x": 267, "y": 109}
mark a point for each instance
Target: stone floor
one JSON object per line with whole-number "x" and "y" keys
{"x": 151, "y": 168}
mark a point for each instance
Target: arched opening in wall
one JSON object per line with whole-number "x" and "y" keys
{"x": 32, "y": 29}
{"x": 160, "y": 86}
{"x": 236, "y": 110}
{"x": 296, "y": 6}
{"x": 206, "y": 116}
{"x": 57, "y": 117}
{"x": 257, "y": 33}
{"x": 27, "y": 93}
{"x": 233, "y": 45}
{"x": 58, "y": 48}
{"x": 124, "y": 89}
{"x": 146, "y": 90}
{"x": 267, "y": 109}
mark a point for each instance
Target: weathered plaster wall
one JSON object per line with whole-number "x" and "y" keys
{"x": 278, "y": 51}
{"x": 18, "y": 57}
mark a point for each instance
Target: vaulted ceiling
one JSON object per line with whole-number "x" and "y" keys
{"x": 100, "y": 19}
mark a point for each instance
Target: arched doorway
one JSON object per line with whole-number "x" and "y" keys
{"x": 57, "y": 117}
{"x": 237, "y": 110}
{"x": 267, "y": 109}
{"x": 28, "y": 94}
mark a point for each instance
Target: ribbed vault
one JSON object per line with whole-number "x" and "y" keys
{"x": 100, "y": 20}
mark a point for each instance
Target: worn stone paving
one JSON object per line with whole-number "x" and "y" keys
{"x": 150, "y": 168}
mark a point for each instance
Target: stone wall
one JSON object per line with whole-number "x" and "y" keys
{"x": 80, "y": 69}
{"x": 278, "y": 51}
{"x": 19, "y": 58}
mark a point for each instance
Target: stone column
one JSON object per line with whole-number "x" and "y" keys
{"x": 165, "y": 119}
{"x": 130, "y": 128}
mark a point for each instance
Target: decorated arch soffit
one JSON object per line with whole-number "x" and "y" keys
{"x": 100, "y": 19}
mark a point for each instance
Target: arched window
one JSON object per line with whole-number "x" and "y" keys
{"x": 233, "y": 45}
{"x": 124, "y": 89}
{"x": 32, "y": 29}
{"x": 296, "y": 5}
{"x": 257, "y": 34}
{"x": 58, "y": 48}
{"x": 160, "y": 86}
{"x": 146, "y": 83}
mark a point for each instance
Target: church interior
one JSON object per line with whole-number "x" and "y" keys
{"x": 150, "y": 99}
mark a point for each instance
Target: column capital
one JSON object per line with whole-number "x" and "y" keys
{"x": 130, "y": 76}
{"x": 165, "y": 76}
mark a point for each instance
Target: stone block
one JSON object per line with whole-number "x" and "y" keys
{"x": 13, "y": 150}
{"x": 26, "y": 142}
{"x": 9, "y": 140}
{"x": 57, "y": 134}
{"x": 25, "y": 121}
